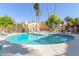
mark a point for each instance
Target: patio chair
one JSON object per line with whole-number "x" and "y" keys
{"x": 67, "y": 31}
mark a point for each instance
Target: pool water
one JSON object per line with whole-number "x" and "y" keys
{"x": 29, "y": 38}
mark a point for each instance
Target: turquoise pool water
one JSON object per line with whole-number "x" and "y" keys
{"x": 29, "y": 38}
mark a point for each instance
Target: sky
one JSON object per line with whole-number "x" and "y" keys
{"x": 21, "y": 12}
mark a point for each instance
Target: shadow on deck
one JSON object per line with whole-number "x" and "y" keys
{"x": 13, "y": 49}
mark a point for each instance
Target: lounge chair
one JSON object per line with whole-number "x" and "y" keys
{"x": 67, "y": 31}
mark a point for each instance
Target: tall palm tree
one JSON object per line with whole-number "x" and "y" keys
{"x": 36, "y": 8}
{"x": 54, "y": 13}
{"x": 54, "y": 8}
{"x": 47, "y": 10}
{"x": 32, "y": 19}
{"x": 48, "y": 22}
{"x": 62, "y": 23}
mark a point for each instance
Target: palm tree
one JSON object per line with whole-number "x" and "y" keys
{"x": 47, "y": 10}
{"x": 48, "y": 23}
{"x": 55, "y": 9}
{"x": 62, "y": 23}
{"x": 69, "y": 21}
{"x": 36, "y": 8}
{"x": 32, "y": 19}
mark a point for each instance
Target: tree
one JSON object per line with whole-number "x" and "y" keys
{"x": 32, "y": 18}
{"x": 69, "y": 20}
{"x": 6, "y": 22}
{"x": 48, "y": 23}
{"x": 54, "y": 8}
{"x": 47, "y": 10}
{"x": 62, "y": 22}
{"x": 38, "y": 13}
{"x": 76, "y": 20}
{"x": 58, "y": 21}
{"x": 53, "y": 20}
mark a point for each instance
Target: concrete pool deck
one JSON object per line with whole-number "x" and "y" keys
{"x": 64, "y": 49}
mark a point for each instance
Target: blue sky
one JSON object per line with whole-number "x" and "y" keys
{"x": 24, "y": 11}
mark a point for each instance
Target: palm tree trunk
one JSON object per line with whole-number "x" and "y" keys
{"x": 32, "y": 20}
{"x": 36, "y": 20}
{"x": 4, "y": 27}
{"x": 48, "y": 14}
{"x": 47, "y": 10}
{"x": 36, "y": 7}
{"x": 54, "y": 12}
{"x": 38, "y": 23}
{"x": 55, "y": 9}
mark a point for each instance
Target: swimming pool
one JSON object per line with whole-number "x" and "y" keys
{"x": 30, "y": 38}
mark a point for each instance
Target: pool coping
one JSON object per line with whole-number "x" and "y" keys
{"x": 36, "y": 44}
